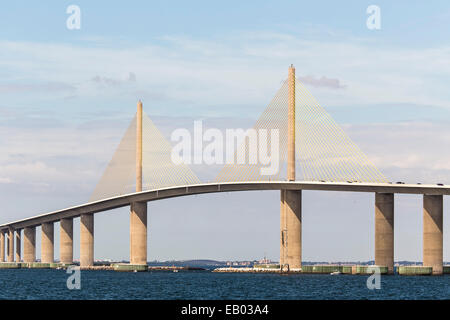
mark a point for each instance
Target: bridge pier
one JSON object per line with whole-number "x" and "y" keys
{"x": 283, "y": 230}
{"x": 10, "y": 245}
{"x": 291, "y": 230}
{"x": 87, "y": 240}
{"x": 384, "y": 230}
{"x": 433, "y": 253}
{"x": 291, "y": 200}
{"x": 18, "y": 245}
{"x": 138, "y": 233}
{"x": 47, "y": 243}
{"x": 66, "y": 241}
{"x": 29, "y": 244}
{"x": 2, "y": 246}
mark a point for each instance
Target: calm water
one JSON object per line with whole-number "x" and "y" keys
{"x": 51, "y": 284}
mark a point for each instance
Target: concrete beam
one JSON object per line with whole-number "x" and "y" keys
{"x": 18, "y": 245}
{"x": 66, "y": 241}
{"x": 29, "y": 244}
{"x": 433, "y": 253}
{"x": 138, "y": 233}
{"x": 11, "y": 245}
{"x": 2, "y": 246}
{"x": 384, "y": 230}
{"x": 47, "y": 243}
{"x": 87, "y": 240}
{"x": 292, "y": 230}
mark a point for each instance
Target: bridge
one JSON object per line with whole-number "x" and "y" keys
{"x": 337, "y": 167}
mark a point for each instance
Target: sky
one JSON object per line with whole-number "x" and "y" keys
{"x": 67, "y": 97}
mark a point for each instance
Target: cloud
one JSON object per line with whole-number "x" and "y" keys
{"x": 114, "y": 82}
{"x": 237, "y": 73}
{"x": 410, "y": 152}
{"x": 322, "y": 82}
{"x": 38, "y": 87}
{"x": 5, "y": 180}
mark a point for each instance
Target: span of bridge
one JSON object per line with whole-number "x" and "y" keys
{"x": 368, "y": 179}
{"x": 204, "y": 188}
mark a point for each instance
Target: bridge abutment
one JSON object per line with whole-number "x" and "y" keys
{"x": 66, "y": 241}
{"x": 87, "y": 240}
{"x": 384, "y": 230}
{"x": 138, "y": 233}
{"x": 291, "y": 230}
{"x": 433, "y": 232}
{"x": 47, "y": 243}
{"x": 29, "y": 244}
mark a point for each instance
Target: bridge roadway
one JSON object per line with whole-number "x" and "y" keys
{"x": 179, "y": 191}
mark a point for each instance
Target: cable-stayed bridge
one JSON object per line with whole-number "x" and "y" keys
{"x": 312, "y": 153}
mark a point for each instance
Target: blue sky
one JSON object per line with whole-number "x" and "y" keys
{"x": 67, "y": 97}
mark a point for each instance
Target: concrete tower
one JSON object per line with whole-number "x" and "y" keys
{"x": 291, "y": 200}
{"x": 138, "y": 212}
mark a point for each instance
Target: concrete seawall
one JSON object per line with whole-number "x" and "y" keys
{"x": 306, "y": 269}
{"x": 342, "y": 269}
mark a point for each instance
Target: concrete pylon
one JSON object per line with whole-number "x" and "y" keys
{"x": 291, "y": 200}
{"x": 66, "y": 241}
{"x": 29, "y": 244}
{"x": 384, "y": 230}
{"x": 291, "y": 125}
{"x": 2, "y": 246}
{"x": 18, "y": 245}
{"x": 87, "y": 240}
{"x": 139, "y": 147}
{"x": 10, "y": 245}
{"x": 47, "y": 243}
{"x": 433, "y": 252}
{"x": 138, "y": 210}
{"x": 138, "y": 232}
{"x": 291, "y": 242}
{"x": 283, "y": 231}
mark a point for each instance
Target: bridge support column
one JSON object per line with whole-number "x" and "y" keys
{"x": 433, "y": 253}
{"x": 29, "y": 244}
{"x": 18, "y": 245}
{"x": 138, "y": 233}
{"x": 10, "y": 245}
{"x": 47, "y": 243}
{"x": 2, "y": 246}
{"x": 384, "y": 230}
{"x": 291, "y": 230}
{"x": 87, "y": 240}
{"x": 66, "y": 241}
{"x": 283, "y": 230}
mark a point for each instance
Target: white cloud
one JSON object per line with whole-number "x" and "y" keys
{"x": 5, "y": 180}
{"x": 240, "y": 69}
{"x": 321, "y": 82}
{"x": 410, "y": 152}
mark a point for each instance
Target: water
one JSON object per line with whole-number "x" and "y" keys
{"x": 51, "y": 284}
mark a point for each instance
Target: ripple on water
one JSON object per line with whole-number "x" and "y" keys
{"x": 51, "y": 284}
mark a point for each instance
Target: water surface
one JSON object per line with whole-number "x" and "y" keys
{"x": 51, "y": 284}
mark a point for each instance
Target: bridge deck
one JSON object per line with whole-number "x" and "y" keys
{"x": 178, "y": 191}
